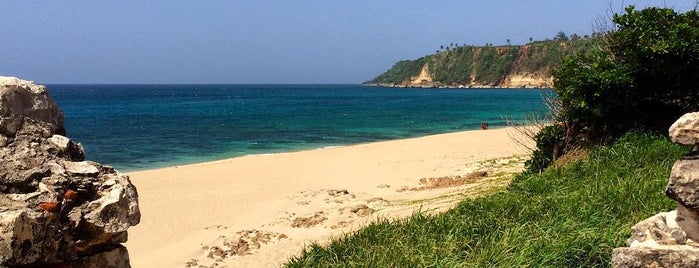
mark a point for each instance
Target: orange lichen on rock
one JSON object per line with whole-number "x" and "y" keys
{"x": 70, "y": 195}
{"x": 49, "y": 206}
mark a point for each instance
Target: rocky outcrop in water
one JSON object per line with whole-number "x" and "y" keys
{"x": 671, "y": 239}
{"x": 55, "y": 207}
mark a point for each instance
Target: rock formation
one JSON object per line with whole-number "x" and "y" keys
{"x": 56, "y": 208}
{"x": 671, "y": 239}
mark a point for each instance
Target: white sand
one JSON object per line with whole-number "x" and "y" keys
{"x": 187, "y": 210}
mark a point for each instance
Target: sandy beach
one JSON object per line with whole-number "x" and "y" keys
{"x": 257, "y": 211}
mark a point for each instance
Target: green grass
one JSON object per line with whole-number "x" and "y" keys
{"x": 565, "y": 217}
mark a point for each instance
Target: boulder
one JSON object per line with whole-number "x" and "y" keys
{"x": 686, "y": 129}
{"x": 644, "y": 257}
{"x": 688, "y": 220}
{"x": 660, "y": 229}
{"x": 20, "y": 99}
{"x": 683, "y": 185}
{"x": 55, "y": 207}
{"x": 114, "y": 258}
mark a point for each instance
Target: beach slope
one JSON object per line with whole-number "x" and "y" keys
{"x": 257, "y": 211}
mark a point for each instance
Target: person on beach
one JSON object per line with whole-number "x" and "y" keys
{"x": 484, "y": 125}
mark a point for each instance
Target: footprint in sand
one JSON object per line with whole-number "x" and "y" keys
{"x": 362, "y": 210}
{"x": 244, "y": 242}
{"x": 218, "y": 226}
{"x": 338, "y": 196}
{"x": 383, "y": 186}
{"x": 310, "y": 221}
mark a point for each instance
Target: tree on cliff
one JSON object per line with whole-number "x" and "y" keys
{"x": 561, "y": 36}
{"x": 644, "y": 77}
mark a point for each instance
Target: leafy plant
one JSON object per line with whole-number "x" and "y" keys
{"x": 549, "y": 142}
{"x": 645, "y": 77}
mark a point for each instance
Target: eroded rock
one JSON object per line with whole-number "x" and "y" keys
{"x": 686, "y": 129}
{"x": 645, "y": 257}
{"x": 20, "y": 99}
{"x": 660, "y": 229}
{"x": 668, "y": 239}
{"x": 56, "y": 208}
{"x": 688, "y": 220}
{"x": 115, "y": 258}
{"x": 683, "y": 185}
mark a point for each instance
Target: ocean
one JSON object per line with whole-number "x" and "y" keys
{"x": 137, "y": 127}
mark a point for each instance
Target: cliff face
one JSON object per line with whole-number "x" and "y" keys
{"x": 528, "y": 66}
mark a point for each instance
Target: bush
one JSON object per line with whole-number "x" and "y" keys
{"x": 646, "y": 77}
{"x": 548, "y": 144}
{"x": 643, "y": 78}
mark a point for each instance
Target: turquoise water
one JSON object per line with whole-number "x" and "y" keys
{"x": 135, "y": 127}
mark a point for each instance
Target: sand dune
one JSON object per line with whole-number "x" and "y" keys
{"x": 257, "y": 211}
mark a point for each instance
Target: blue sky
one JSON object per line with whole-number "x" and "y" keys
{"x": 257, "y": 41}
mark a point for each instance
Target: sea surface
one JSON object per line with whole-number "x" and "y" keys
{"x": 136, "y": 127}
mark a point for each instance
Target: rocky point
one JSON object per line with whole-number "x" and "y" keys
{"x": 56, "y": 208}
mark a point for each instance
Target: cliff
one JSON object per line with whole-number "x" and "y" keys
{"x": 513, "y": 66}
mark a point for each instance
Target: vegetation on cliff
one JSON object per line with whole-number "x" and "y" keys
{"x": 487, "y": 65}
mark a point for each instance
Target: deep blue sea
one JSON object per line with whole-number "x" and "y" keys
{"x": 135, "y": 127}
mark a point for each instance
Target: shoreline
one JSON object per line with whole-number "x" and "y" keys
{"x": 277, "y": 204}
{"x": 295, "y": 150}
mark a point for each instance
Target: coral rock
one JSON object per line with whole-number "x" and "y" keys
{"x": 688, "y": 220}
{"x": 661, "y": 229}
{"x": 55, "y": 208}
{"x": 20, "y": 99}
{"x": 686, "y": 129}
{"x": 642, "y": 257}
{"x": 683, "y": 185}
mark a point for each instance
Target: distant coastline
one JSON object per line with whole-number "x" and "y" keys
{"x": 439, "y": 86}
{"x": 508, "y": 66}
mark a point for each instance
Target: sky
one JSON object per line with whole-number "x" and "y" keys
{"x": 266, "y": 41}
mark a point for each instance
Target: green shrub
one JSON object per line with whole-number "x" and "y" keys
{"x": 548, "y": 143}
{"x": 645, "y": 77}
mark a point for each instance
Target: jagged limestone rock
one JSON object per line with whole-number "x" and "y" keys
{"x": 56, "y": 208}
{"x": 683, "y": 185}
{"x": 686, "y": 129}
{"x": 668, "y": 239}
{"x": 109, "y": 259}
{"x": 20, "y": 99}
{"x": 660, "y": 229}
{"x": 688, "y": 220}
{"x": 646, "y": 257}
